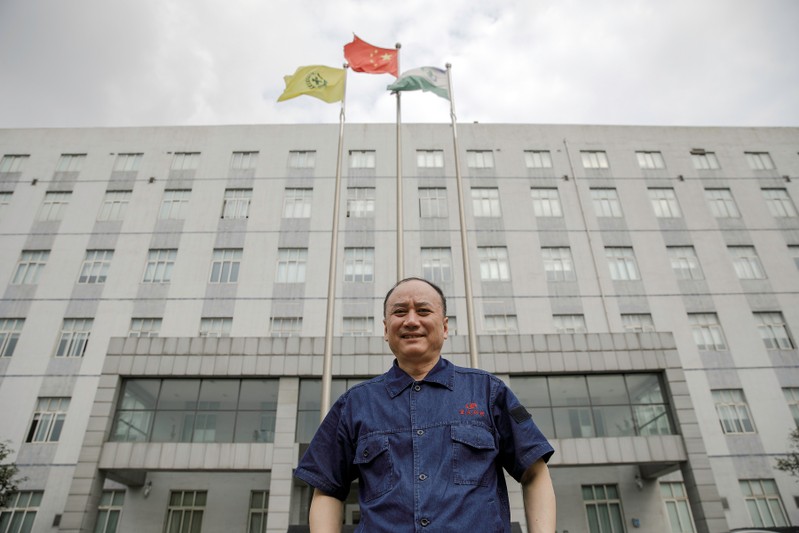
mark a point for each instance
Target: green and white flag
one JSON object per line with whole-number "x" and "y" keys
{"x": 423, "y": 79}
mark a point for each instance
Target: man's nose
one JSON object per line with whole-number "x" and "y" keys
{"x": 411, "y": 318}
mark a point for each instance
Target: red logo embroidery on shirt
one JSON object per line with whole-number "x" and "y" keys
{"x": 471, "y": 409}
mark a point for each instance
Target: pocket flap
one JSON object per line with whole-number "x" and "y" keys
{"x": 370, "y": 448}
{"x": 473, "y": 436}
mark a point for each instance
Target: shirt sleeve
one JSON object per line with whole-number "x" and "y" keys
{"x": 521, "y": 443}
{"x": 328, "y": 462}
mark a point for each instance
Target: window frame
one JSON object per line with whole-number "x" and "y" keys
{"x": 595, "y": 159}
{"x": 174, "y": 204}
{"x": 546, "y": 202}
{"x": 485, "y": 202}
{"x": 722, "y": 203}
{"x": 30, "y": 266}
{"x": 685, "y": 263}
{"x": 159, "y": 266}
{"x": 236, "y": 203}
{"x": 225, "y": 265}
{"x": 10, "y": 332}
{"x": 537, "y": 159}
{"x": 622, "y": 263}
{"x": 558, "y": 263}
{"x": 494, "y": 263}
{"x": 733, "y": 412}
{"x": 48, "y": 419}
{"x": 297, "y": 202}
{"x": 74, "y": 337}
{"x": 433, "y": 204}
{"x": 359, "y": 264}
{"x": 53, "y": 206}
{"x": 114, "y": 206}
{"x": 664, "y": 202}
{"x": 707, "y": 332}
{"x": 650, "y": 160}
{"x": 362, "y": 159}
{"x": 302, "y": 159}
{"x": 606, "y": 202}
{"x": 480, "y": 159}
{"x": 437, "y": 264}
{"x": 746, "y": 262}
{"x": 291, "y": 265}
{"x": 244, "y": 160}
{"x": 360, "y": 202}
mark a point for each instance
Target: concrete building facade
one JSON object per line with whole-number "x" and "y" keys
{"x": 163, "y": 315}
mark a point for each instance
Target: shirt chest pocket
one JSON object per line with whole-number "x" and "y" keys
{"x": 473, "y": 455}
{"x": 373, "y": 459}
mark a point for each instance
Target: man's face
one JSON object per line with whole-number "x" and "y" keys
{"x": 415, "y": 325}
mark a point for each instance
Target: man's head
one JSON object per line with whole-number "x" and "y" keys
{"x": 406, "y": 280}
{"x": 415, "y": 321}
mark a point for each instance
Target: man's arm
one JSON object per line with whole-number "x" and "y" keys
{"x": 539, "y": 498}
{"x": 327, "y": 513}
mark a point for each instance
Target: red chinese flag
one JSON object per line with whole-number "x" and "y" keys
{"x": 363, "y": 57}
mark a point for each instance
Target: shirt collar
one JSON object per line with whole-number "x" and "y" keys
{"x": 443, "y": 373}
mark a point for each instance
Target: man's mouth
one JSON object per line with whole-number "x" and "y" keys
{"x": 412, "y": 336}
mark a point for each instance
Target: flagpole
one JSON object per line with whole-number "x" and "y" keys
{"x": 400, "y": 223}
{"x": 327, "y": 364}
{"x": 467, "y": 274}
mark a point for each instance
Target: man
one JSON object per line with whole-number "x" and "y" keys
{"x": 427, "y": 440}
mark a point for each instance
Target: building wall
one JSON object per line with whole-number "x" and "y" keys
{"x": 70, "y": 471}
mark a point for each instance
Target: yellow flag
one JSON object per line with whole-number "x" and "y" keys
{"x": 319, "y": 81}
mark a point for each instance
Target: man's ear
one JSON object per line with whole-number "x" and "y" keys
{"x": 385, "y": 331}
{"x": 446, "y": 327}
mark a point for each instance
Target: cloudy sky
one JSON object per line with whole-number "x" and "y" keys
{"x": 188, "y": 62}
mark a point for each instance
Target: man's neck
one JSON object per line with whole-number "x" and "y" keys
{"x": 418, "y": 370}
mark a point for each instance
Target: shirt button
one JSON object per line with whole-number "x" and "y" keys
{"x": 366, "y": 453}
{"x": 417, "y": 388}
{"x": 425, "y": 522}
{"x": 420, "y": 432}
{"x": 422, "y": 477}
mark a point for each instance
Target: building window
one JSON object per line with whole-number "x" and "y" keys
{"x": 74, "y": 337}
{"x": 109, "y": 511}
{"x": 48, "y": 420}
{"x": 650, "y": 160}
{"x": 763, "y": 502}
{"x": 594, "y": 159}
{"x": 10, "y": 330}
{"x": 127, "y": 162}
{"x": 185, "y": 510}
{"x": 259, "y": 510}
{"x": 196, "y": 410}
{"x": 704, "y": 160}
{"x": 115, "y": 203}
{"x": 637, "y": 322}
{"x": 95, "y": 266}
{"x": 494, "y": 263}
{"x": 779, "y": 203}
{"x": 722, "y": 204}
{"x": 546, "y": 202}
{"x": 302, "y": 159}
{"x": 537, "y": 159}
{"x": 175, "y": 204}
{"x": 558, "y": 263}
{"x": 53, "y": 206}
{"x": 236, "y": 203}
{"x": 225, "y": 265}
{"x": 684, "y": 262}
{"x": 70, "y": 162}
{"x": 144, "y": 327}
{"x": 622, "y": 264}
{"x": 19, "y": 512}
{"x": 185, "y": 160}
{"x": 746, "y": 262}
{"x": 437, "y": 264}
{"x": 159, "y": 266}
{"x": 361, "y": 202}
{"x": 569, "y": 323}
{"x": 792, "y": 398}
{"x": 362, "y": 159}
{"x": 30, "y": 266}
{"x": 793, "y": 249}
{"x": 433, "y": 202}
{"x": 733, "y": 411}
{"x": 13, "y": 162}
{"x": 359, "y": 264}
{"x": 480, "y": 158}
{"x": 485, "y": 202}
{"x": 309, "y": 404}
{"x": 603, "y": 508}
{"x": 677, "y": 507}
{"x": 297, "y": 203}
{"x": 500, "y": 324}
{"x": 607, "y": 405}
{"x": 707, "y": 331}
{"x": 215, "y": 327}
{"x": 5, "y": 199}
{"x": 606, "y": 203}
{"x": 759, "y": 160}
{"x": 291, "y": 265}
{"x": 285, "y": 326}
{"x": 243, "y": 160}
{"x": 357, "y": 326}
{"x": 664, "y": 202}
{"x": 430, "y": 158}
{"x": 773, "y": 331}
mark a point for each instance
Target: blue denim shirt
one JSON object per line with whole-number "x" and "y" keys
{"x": 429, "y": 454}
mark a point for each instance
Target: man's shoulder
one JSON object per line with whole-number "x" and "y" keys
{"x": 475, "y": 373}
